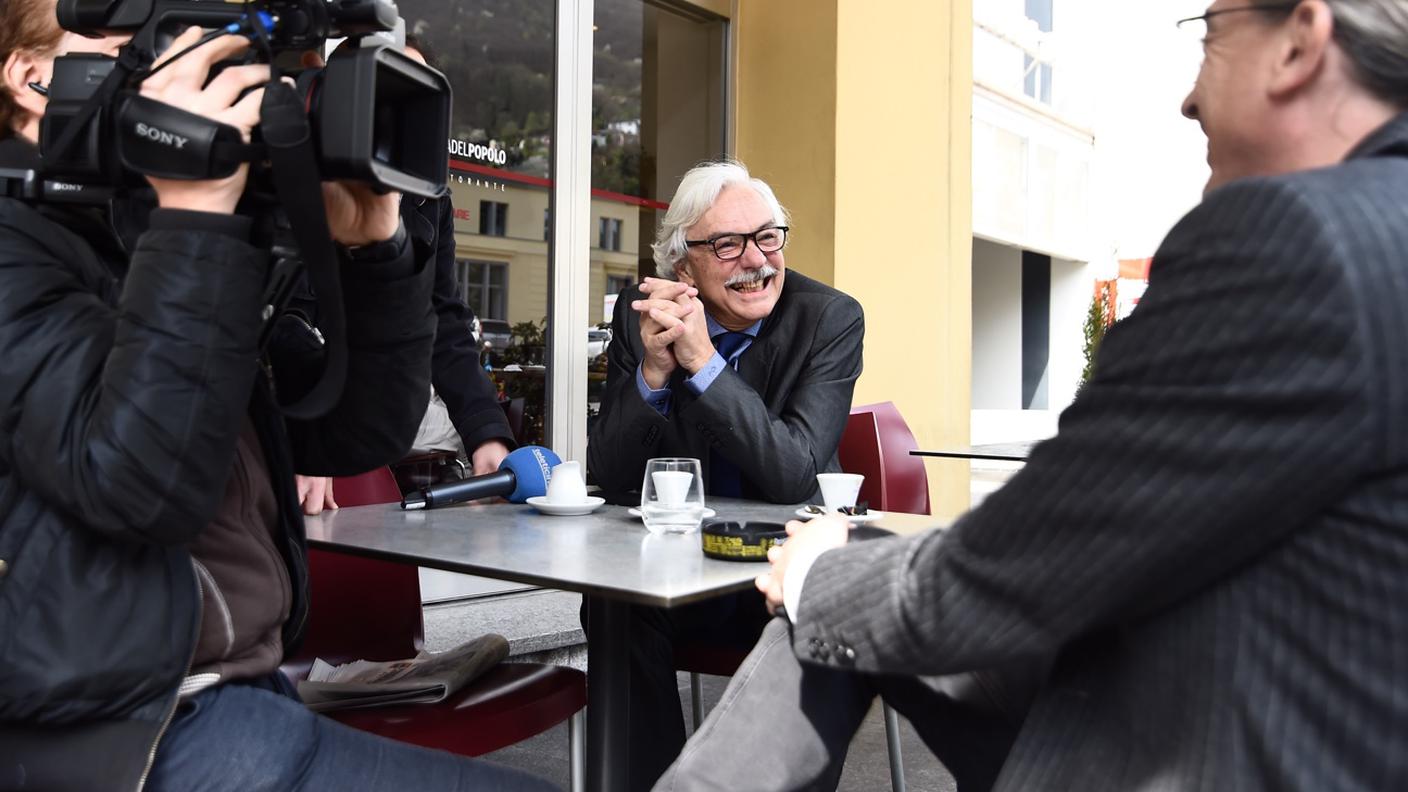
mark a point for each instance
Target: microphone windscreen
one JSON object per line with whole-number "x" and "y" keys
{"x": 532, "y": 467}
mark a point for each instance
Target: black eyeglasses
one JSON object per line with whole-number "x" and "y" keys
{"x": 1200, "y": 25}
{"x": 731, "y": 246}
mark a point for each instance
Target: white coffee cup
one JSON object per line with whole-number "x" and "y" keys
{"x": 839, "y": 489}
{"x": 672, "y": 486}
{"x": 565, "y": 485}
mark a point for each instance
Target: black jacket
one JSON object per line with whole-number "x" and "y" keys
{"x": 469, "y": 396}
{"x": 123, "y": 386}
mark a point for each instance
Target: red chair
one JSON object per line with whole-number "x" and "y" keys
{"x": 363, "y": 608}
{"x": 876, "y": 444}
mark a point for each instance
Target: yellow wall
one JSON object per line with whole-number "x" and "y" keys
{"x": 859, "y": 116}
{"x": 785, "y": 117}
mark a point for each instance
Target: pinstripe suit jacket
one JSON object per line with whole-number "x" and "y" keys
{"x": 1215, "y": 546}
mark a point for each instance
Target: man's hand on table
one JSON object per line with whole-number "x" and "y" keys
{"x": 487, "y": 457}
{"x": 805, "y": 541}
{"x": 315, "y": 493}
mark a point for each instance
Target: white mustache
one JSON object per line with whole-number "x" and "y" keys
{"x": 748, "y": 277}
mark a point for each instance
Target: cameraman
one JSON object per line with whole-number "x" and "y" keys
{"x": 152, "y": 570}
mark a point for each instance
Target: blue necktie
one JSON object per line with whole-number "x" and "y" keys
{"x": 724, "y": 478}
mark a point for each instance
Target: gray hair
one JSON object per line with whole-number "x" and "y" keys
{"x": 697, "y": 192}
{"x": 1374, "y": 36}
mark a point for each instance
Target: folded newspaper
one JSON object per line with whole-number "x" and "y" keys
{"x": 425, "y": 678}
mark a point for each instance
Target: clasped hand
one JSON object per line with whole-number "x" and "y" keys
{"x": 356, "y": 214}
{"x": 672, "y": 330}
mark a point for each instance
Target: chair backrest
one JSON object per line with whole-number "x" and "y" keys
{"x": 513, "y": 410}
{"x": 360, "y": 608}
{"x": 876, "y": 444}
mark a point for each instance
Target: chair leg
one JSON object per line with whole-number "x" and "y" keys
{"x": 577, "y": 750}
{"x": 892, "y": 743}
{"x": 696, "y": 700}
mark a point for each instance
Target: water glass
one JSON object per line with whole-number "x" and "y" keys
{"x": 672, "y": 495}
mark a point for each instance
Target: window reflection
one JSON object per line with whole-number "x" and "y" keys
{"x": 657, "y": 109}
{"x": 657, "y": 104}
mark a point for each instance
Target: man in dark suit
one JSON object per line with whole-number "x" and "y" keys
{"x": 1214, "y": 549}
{"x": 717, "y": 360}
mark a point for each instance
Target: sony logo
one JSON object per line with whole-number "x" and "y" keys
{"x": 158, "y": 135}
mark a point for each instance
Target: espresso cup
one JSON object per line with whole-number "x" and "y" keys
{"x": 565, "y": 485}
{"x": 839, "y": 490}
{"x": 672, "y": 486}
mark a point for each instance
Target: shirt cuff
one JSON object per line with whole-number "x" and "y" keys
{"x": 658, "y": 399}
{"x": 705, "y": 377}
{"x": 796, "y": 577}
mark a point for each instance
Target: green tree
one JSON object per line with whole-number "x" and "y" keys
{"x": 1097, "y": 320}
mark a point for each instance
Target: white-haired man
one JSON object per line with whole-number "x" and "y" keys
{"x": 1215, "y": 546}
{"x": 729, "y": 358}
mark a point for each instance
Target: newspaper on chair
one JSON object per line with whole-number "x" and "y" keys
{"x": 426, "y": 678}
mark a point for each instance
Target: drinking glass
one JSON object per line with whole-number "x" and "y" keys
{"x": 672, "y": 495}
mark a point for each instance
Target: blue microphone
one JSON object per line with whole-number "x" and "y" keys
{"x": 522, "y": 475}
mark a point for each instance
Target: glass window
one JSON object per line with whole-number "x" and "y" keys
{"x": 493, "y": 218}
{"x": 657, "y": 109}
{"x": 615, "y": 284}
{"x": 609, "y": 233}
{"x": 498, "y": 56}
{"x": 485, "y": 287}
{"x": 1037, "y": 84}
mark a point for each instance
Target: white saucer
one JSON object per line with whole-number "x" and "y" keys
{"x": 858, "y": 519}
{"x": 591, "y": 504}
{"x": 708, "y": 512}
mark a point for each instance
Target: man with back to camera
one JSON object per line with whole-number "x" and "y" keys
{"x": 468, "y": 399}
{"x": 1215, "y": 546}
{"x": 719, "y": 360}
{"x": 152, "y": 567}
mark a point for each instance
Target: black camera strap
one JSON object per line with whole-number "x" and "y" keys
{"x": 130, "y": 60}
{"x": 298, "y": 185}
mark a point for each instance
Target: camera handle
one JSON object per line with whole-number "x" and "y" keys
{"x": 298, "y": 186}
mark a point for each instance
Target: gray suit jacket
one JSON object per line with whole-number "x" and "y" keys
{"x": 1216, "y": 544}
{"x": 779, "y": 417}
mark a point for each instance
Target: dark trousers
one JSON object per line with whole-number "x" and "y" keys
{"x": 657, "y": 731}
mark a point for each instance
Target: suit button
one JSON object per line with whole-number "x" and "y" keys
{"x": 699, "y": 426}
{"x": 850, "y": 654}
{"x": 4, "y": 567}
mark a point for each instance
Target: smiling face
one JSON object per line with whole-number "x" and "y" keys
{"x": 736, "y": 293}
{"x": 1229, "y": 100}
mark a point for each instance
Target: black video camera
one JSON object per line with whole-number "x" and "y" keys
{"x": 375, "y": 115}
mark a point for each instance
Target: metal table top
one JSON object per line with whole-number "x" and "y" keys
{"x": 607, "y": 553}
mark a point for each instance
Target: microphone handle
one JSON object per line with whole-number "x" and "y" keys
{"x": 497, "y": 484}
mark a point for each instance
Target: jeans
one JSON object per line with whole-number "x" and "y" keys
{"x": 256, "y": 735}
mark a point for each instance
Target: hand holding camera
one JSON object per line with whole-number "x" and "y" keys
{"x": 182, "y": 84}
